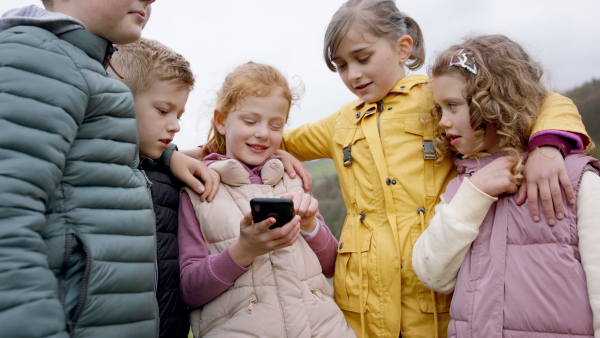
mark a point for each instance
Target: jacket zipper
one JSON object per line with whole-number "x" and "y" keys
{"x": 84, "y": 285}
{"x": 379, "y": 111}
{"x": 238, "y": 306}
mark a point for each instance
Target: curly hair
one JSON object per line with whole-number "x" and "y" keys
{"x": 248, "y": 79}
{"x": 379, "y": 17}
{"x": 507, "y": 91}
{"x": 140, "y": 64}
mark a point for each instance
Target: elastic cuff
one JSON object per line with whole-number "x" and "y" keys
{"x": 165, "y": 158}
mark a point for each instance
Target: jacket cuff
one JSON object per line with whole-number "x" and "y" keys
{"x": 165, "y": 158}
{"x": 471, "y": 204}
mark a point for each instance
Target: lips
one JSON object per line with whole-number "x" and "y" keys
{"x": 453, "y": 138}
{"x": 166, "y": 142}
{"x": 139, "y": 15}
{"x": 363, "y": 87}
{"x": 257, "y": 147}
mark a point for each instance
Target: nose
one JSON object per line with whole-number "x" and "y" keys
{"x": 354, "y": 73}
{"x": 445, "y": 121}
{"x": 262, "y": 131}
{"x": 174, "y": 126}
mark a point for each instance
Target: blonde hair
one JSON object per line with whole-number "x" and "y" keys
{"x": 248, "y": 79}
{"x": 507, "y": 91}
{"x": 144, "y": 62}
{"x": 379, "y": 17}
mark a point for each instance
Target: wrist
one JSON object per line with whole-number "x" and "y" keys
{"x": 239, "y": 255}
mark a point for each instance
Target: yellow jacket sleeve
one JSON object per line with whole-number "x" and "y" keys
{"x": 560, "y": 113}
{"x": 311, "y": 141}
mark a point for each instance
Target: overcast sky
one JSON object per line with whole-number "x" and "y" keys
{"x": 216, "y": 36}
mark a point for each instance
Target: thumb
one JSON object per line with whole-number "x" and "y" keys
{"x": 192, "y": 182}
{"x": 246, "y": 221}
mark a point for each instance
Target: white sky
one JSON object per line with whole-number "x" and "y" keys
{"x": 216, "y": 36}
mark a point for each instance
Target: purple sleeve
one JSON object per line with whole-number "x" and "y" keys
{"x": 566, "y": 142}
{"x": 203, "y": 276}
{"x": 324, "y": 245}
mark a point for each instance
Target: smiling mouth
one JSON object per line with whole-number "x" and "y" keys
{"x": 362, "y": 86}
{"x": 257, "y": 147}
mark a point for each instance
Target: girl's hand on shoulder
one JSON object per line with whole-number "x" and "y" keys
{"x": 257, "y": 239}
{"x": 292, "y": 167}
{"x": 545, "y": 172}
{"x": 306, "y": 206}
{"x": 496, "y": 178}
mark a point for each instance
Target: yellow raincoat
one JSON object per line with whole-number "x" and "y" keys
{"x": 390, "y": 183}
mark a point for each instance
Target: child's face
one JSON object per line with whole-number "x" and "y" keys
{"x": 254, "y": 130}
{"x": 369, "y": 66}
{"x": 158, "y": 110}
{"x": 449, "y": 92}
{"x": 118, "y": 21}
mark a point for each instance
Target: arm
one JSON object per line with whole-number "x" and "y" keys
{"x": 441, "y": 248}
{"x": 203, "y": 276}
{"x": 311, "y": 141}
{"x": 324, "y": 244}
{"x": 35, "y": 138}
{"x": 588, "y": 214}
{"x": 545, "y": 169}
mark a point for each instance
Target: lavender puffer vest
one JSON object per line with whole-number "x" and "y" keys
{"x": 521, "y": 278}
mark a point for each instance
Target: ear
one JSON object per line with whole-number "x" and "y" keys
{"x": 405, "y": 48}
{"x": 219, "y": 121}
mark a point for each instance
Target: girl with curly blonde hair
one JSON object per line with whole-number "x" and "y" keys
{"x": 510, "y": 276}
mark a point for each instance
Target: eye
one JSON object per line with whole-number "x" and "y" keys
{"x": 364, "y": 59}
{"x": 451, "y": 106}
{"x": 340, "y": 66}
{"x": 162, "y": 111}
{"x": 249, "y": 122}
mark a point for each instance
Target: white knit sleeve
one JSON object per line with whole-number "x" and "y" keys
{"x": 588, "y": 227}
{"x": 441, "y": 248}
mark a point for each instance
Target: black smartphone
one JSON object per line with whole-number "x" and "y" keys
{"x": 282, "y": 209}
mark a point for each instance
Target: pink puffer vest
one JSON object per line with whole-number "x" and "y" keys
{"x": 284, "y": 293}
{"x": 521, "y": 278}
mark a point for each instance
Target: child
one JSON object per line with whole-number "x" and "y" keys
{"x": 517, "y": 277}
{"x": 160, "y": 80}
{"x": 76, "y": 226}
{"x": 381, "y": 146}
{"x": 241, "y": 278}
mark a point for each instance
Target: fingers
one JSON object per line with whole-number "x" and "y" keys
{"x": 532, "y": 199}
{"x": 211, "y": 185}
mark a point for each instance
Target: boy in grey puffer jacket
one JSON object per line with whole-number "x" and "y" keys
{"x": 77, "y": 243}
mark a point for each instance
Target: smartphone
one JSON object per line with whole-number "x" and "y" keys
{"x": 282, "y": 209}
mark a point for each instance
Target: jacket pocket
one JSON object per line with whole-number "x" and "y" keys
{"x": 423, "y": 293}
{"x": 349, "y": 143}
{"x": 348, "y": 284}
{"x": 73, "y": 279}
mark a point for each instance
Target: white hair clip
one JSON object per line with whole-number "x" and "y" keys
{"x": 463, "y": 59}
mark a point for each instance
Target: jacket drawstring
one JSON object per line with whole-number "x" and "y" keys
{"x": 421, "y": 212}
{"x": 359, "y": 219}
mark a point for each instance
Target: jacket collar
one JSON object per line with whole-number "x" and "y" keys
{"x": 94, "y": 46}
{"x": 401, "y": 87}
{"x": 235, "y": 173}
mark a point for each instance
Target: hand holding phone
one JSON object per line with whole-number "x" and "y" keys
{"x": 282, "y": 209}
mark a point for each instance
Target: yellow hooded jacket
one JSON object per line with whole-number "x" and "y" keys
{"x": 390, "y": 183}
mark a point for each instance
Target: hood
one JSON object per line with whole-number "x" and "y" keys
{"x": 56, "y": 23}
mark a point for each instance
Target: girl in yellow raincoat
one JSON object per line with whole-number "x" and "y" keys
{"x": 381, "y": 146}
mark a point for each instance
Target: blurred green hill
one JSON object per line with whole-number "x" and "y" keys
{"x": 326, "y": 186}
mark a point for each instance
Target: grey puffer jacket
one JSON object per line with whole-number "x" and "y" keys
{"x": 77, "y": 244}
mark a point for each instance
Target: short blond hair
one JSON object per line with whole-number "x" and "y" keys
{"x": 142, "y": 63}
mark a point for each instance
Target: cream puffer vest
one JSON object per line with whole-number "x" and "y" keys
{"x": 283, "y": 293}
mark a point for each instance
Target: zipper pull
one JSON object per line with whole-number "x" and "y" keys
{"x": 251, "y": 306}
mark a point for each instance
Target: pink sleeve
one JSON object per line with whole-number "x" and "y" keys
{"x": 203, "y": 276}
{"x": 324, "y": 245}
{"x": 566, "y": 142}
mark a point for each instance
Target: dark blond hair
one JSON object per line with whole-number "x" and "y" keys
{"x": 507, "y": 91}
{"x": 146, "y": 61}
{"x": 248, "y": 79}
{"x": 379, "y": 17}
